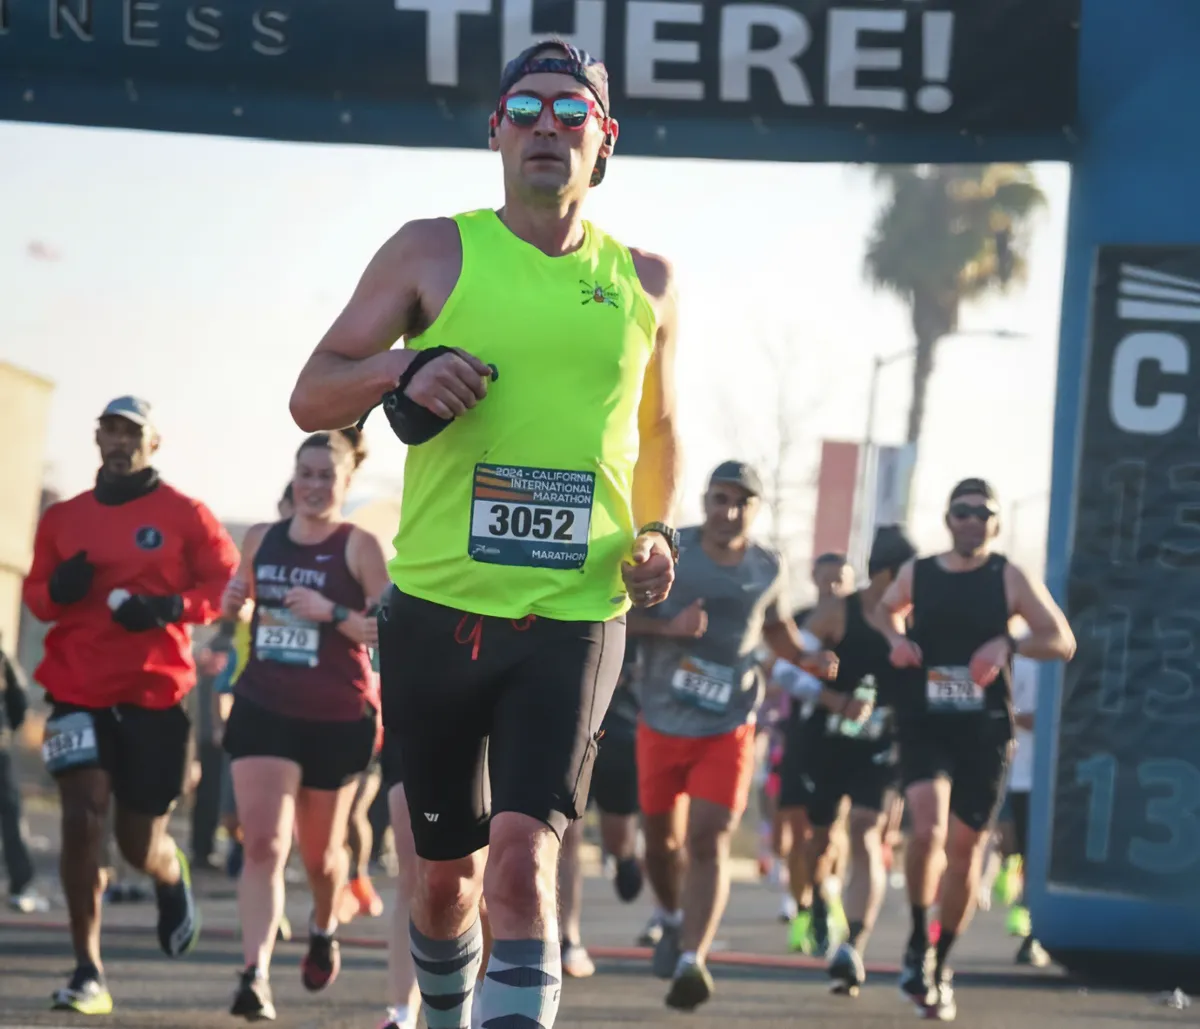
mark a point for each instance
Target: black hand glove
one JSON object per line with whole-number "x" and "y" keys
{"x": 140, "y": 613}
{"x": 71, "y": 580}
{"x": 16, "y": 704}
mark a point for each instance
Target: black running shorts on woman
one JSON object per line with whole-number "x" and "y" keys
{"x": 492, "y": 715}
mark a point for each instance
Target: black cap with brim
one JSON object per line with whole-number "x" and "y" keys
{"x": 738, "y": 473}
{"x": 973, "y": 487}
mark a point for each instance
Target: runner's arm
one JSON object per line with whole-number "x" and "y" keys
{"x": 35, "y": 591}
{"x": 354, "y": 365}
{"x": 213, "y": 559}
{"x": 1050, "y": 637}
{"x": 368, "y": 566}
{"x": 890, "y": 617}
{"x": 658, "y": 474}
{"x": 825, "y": 626}
{"x": 244, "y": 576}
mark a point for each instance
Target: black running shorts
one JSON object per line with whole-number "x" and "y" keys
{"x": 796, "y": 784}
{"x": 143, "y": 750}
{"x": 330, "y": 754}
{"x": 389, "y": 761}
{"x": 492, "y": 715}
{"x": 848, "y": 768}
{"x": 615, "y": 781}
{"x": 972, "y": 751}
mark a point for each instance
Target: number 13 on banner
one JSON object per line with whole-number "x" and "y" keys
{"x": 1171, "y": 788}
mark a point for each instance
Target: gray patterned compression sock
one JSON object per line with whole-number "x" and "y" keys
{"x": 524, "y": 979}
{"x": 446, "y": 974}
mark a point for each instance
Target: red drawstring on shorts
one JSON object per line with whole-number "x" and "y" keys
{"x": 474, "y": 635}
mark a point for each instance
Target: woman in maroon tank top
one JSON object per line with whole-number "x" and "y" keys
{"x": 305, "y": 721}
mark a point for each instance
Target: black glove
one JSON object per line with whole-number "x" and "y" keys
{"x": 71, "y": 580}
{"x": 16, "y": 704}
{"x": 140, "y": 613}
{"x": 412, "y": 423}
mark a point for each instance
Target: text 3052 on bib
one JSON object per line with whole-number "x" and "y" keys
{"x": 531, "y": 517}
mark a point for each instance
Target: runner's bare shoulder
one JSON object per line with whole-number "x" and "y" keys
{"x": 425, "y": 258}
{"x": 655, "y": 273}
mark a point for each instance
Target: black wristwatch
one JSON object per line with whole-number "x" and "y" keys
{"x": 667, "y": 533}
{"x": 340, "y": 614}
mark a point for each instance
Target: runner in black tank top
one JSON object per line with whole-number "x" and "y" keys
{"x": 954, "y": 716}
{"x": 833, "y": 577}
{"x": 304, "y": 722}
{"x": 854, "y": 756}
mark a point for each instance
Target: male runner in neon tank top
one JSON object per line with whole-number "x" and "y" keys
{"x": 954, "y": 714}
{"x": 528, "y": 523}
{"x": 851, "y": 742}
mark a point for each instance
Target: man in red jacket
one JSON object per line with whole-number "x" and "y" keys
{"x": 121, "y": 571}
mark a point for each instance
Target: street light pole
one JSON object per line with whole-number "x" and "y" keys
{"x": 866, "y": 477}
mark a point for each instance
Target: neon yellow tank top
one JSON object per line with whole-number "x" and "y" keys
{"x": 522, "y": 506}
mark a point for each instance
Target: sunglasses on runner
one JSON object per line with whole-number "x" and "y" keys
{"x": 571, "y": 112}
{"x": 964, "y": 511}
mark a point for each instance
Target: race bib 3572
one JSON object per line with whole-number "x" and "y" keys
{"x": 531, "y": 517}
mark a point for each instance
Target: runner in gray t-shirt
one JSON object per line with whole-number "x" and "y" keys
{"x": 699, "y": 696}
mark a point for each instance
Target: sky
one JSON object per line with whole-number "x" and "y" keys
{"x": 199, "y": 273}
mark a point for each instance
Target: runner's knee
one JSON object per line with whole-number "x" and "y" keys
{"x": 522, "y": 865}
{"x": 84, "y": 823}
{"x": 706, "y": 843}
{"x": 448, "y": 885}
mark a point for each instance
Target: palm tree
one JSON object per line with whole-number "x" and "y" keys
{"x": 946, "y": 235}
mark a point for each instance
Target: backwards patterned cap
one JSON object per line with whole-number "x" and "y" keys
{"x": 577, "y": 63}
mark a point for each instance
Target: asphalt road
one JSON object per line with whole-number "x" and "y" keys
{"x": 758, "y": 984}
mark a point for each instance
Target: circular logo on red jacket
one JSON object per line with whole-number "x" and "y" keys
{"x": 148, "y": 538}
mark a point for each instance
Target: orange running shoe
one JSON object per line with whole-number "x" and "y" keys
{"x": 369, "y": 902}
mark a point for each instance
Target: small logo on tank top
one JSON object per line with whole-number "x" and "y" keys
{"x": 597, "y": 294}
{"x": 148, "y": 538}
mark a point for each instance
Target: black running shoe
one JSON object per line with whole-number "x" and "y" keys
{"x": 691, "y": 987}
{"x": 320, "y": 966}
{"x": 916, "y": 983}
{"x": 178, "y": 916}
{"x": 628, "y": 880}
{"x": 846, "y": 969}
{"x": 252, "y": 1000}
{"x": 1032, "y": 953}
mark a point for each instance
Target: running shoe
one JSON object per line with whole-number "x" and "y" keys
{"x": 1018, "y": 922}
{"x": 29, "y": 902}
{"x": 359, "y": 898}
{"x": 800, "y": 935}
{"x": 320, "y": 966}
{"x": 916, "y": 983}
{"x": 846, "y": 969}
{"x": 940, "y": 1006}
{"x": 85, "y": 994}
{"x": 178, "y": 916}
{"x": 1032, "y": 954}
{"x": 252, "y": 999}
{"x": 667, "y": 951}
{"x": 787, "y": 909}
{"x": 691, "y": 986}
{"x": 234, "y": 860}
{"x": 628, "y": 879}
{"x": 400, "y": 1018}
{"x": 577, "y": 962}
{"x": 1007, "y": 887}
{"x": 652, "y": 933}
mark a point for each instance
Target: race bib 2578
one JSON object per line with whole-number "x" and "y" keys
{"x": 531, "y": 517}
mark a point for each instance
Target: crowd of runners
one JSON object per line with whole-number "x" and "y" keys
{"x": 543, "y": 638}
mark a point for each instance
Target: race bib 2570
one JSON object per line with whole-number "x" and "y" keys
{"x": 531, "y": 517}
{"x": 952, "y": 689}
{"x": 286, "y": 639}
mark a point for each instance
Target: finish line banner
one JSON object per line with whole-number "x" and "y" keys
{"x": 421, "y": 72}
{"x": 1126, "y": 803}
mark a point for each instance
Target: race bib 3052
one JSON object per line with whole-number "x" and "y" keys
{"x": 531, "y": 517}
